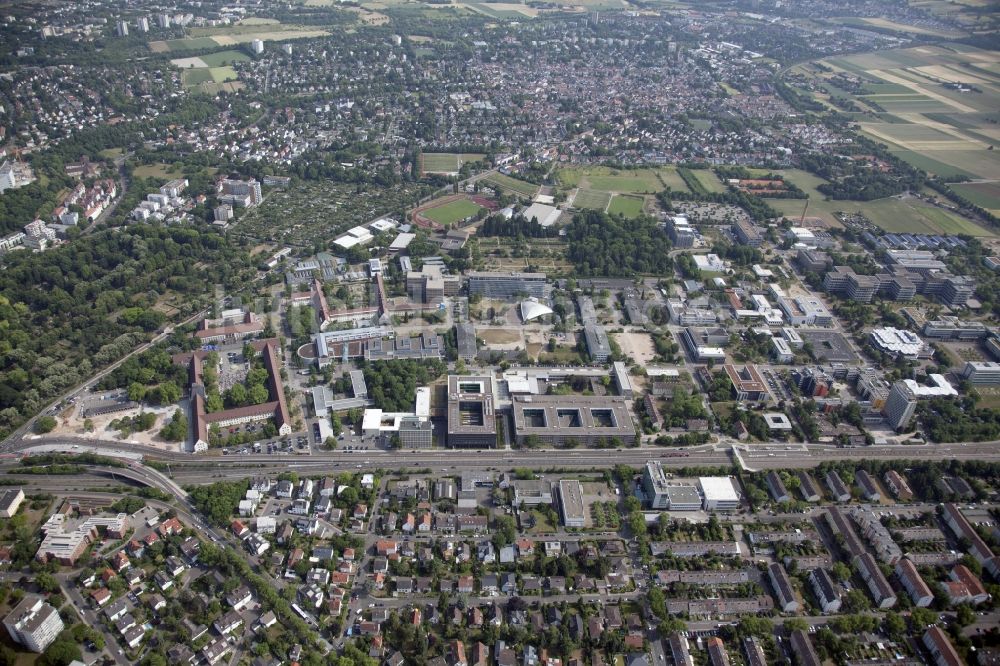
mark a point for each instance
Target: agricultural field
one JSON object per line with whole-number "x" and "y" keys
{"x": 933, "y": 106}
{"x": 985, "y": 195}
{"x": 242, "y": 33}
{"x": 895, "y": 26}
{"x": 915, "y": 216}
{"x": 502, "y": 10}
{"x": 628, "y": 206}
{"x": 447, "y": 162}
{"x": 514, "y": 185}
{"x": 591, "y": 199}
{"x": 451, "y": 212}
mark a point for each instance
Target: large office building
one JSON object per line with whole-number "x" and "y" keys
{"x": 902, "y": 401}
{"x": 900, "y": 405}
{"x": 557, "y": 419}
{"x": 33, "y": 623}
{"x": 430, "y": 285}
{"x": 748, "y": 385}
{"x": 681, "y": 233}
{"x": 982, "y": 373}
{"x": 747, "y": 233}
{"x": 598, "y": 345}
{"x": 654, "y": 485}
{"x": 471, "y": 417}
{"x": 719, "y": 493}
{"x": 508, "y": 285}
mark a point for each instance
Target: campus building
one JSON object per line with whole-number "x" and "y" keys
{"x": 748, "y": 385}
{"x": 430, "y": 285}
{"x": 275, "y": 408}
{"x": 508, "y": 285}
{"x": 556, "y": 419}
{"x": 471, "y": 416}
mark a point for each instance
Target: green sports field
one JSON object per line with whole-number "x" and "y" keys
{"x": 592, "y": 199}
{"x": 451, "y": 212}
{"x": 626, "y": 205}
{"x": 447, "y": 162}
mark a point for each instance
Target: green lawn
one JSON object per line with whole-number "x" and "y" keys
{"x": 157, "y": 170}
{"x": 521, "y": 187}
{"x": 224, "y": 58}
{"x": 451, "y": 212}
{"x": 592, "y": 199}
{"x": 626, "y": 205}
{"x": 709, "y": 180}
{"x": 440, "y": 162}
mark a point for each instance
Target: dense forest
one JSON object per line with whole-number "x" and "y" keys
{"x": 607, "y": 245}
{"x": 73, "y": 309}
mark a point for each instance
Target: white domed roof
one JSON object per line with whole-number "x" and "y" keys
{"x": 533, "y": 310}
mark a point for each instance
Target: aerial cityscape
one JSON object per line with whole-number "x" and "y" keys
{"x": 470, "y": 333}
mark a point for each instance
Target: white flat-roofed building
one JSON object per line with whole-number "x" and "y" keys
{"x": 683, "y": 497}
{"x": 710, "y": 262}
{"x": 719, "y": 493}
{"x": 781, "y": 350}
{"x": 571, "y": 505}
{"x": 545, "y": 215}
{"x": 401, "y": 242}
{"x": 620, "y": 373}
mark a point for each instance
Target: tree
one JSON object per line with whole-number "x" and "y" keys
{"x": 177, "y": 429}
{"x": 258, "y": 394}
{"x": 336, "y": 425}
{"x": 45, "y": 424}
{"x": 136, "y": 392}
{"x": 61, "y": 653}
{"x": 88, "y": 425}
{"x": 47, "y": 582}
{"x": 795, "y": 624}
